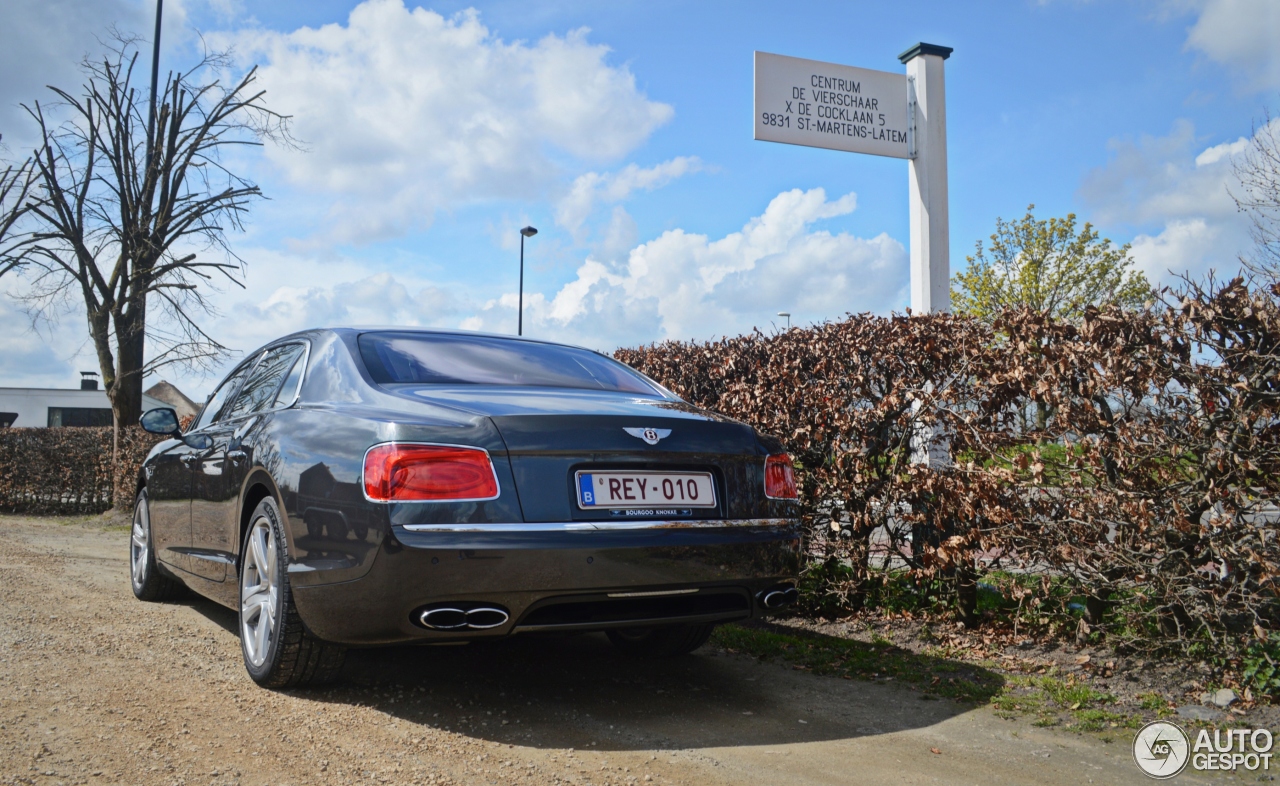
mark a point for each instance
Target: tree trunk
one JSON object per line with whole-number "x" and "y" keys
{"x": 126, "y": 392}
{"x": 1042, "y": 416}
{"x": 1096, "y": 606}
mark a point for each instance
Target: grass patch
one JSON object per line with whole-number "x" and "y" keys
{"x": 1071, "y": 694}
{"x": 878, "y": 660}
{"x": 1153, "y": 702}
{"x": 1098, "y": 720}
{"x": 1055, "y": 701}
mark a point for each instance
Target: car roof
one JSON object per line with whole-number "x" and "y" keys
{"x": 447, "y": 332}
{"x": 348, "y": 329}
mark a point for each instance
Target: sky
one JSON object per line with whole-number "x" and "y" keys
{"x": 428, "y": 135}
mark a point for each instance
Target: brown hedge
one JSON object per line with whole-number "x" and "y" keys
{"x": 69, "y": 470}
{"x": 1134, "y": 456}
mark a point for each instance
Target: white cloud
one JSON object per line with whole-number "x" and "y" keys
{"x": 404, "y": 112}
{"x": 683, "y": 285}
{"x": 1178, "y": 199}
{"x": 593, "y": 189}
{"x": 1240, "y": 34}
{"x": 677, "y": 285}
{"x": 379, "y": 299}
{"x": 285, "y": 293}
{"x": 1226, "y": 150}
{"x": 619, "y": 236}
{"x": 1183, "y": 246}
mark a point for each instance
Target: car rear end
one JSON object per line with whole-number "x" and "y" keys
{"x": 635, "y": 510}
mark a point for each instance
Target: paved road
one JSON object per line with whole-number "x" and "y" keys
{"x": 96, "y": 687}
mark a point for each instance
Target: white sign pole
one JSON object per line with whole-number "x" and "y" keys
{"x": 927, "y": 172}
{"x": 930, "y": 231}
{"x": 807, "y": 102}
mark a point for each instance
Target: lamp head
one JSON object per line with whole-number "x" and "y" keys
{"x": 528, "y": 231}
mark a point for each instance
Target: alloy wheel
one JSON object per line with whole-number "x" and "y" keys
{"x": 140, "y": 544}
{"x": 259, "y": 592}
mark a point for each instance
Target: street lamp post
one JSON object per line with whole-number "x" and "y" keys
{"x": 526, "y": 232}
{"x": 155, "y": 76}
{"x": 786, "y": 314}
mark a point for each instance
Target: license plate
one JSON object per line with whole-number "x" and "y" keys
{"x": 645, "y": 490}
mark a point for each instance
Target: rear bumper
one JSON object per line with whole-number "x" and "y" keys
{"x": 548, "y": 577}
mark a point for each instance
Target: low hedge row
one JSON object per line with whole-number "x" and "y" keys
{"x": 1133, "y": 456}
{"x": 68, "y": 471}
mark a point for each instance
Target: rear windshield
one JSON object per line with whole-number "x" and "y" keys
{"x": 440, "y": 358}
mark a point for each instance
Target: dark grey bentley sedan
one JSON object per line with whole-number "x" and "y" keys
{"x": 353, "y": 487}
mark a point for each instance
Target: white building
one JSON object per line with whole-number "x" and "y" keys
{"x": 44, "y": 407}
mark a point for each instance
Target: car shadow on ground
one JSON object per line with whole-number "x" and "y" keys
{"x": 215, "y": 612}
{"x": 579, "y": 692}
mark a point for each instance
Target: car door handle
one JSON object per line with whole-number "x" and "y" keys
{"x": 237, "y": 456}
{"x": 188, "y": 460}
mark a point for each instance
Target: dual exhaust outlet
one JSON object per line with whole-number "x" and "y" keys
{"x": 449, "y": 618}
{"x": 778, "y": 597}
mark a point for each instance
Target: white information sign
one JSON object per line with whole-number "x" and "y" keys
{"x": 808, "y": 102}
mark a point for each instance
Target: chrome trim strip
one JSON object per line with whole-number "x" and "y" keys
{"x": 653, "y": 594}
{"x": 297, "y": 392}
{"x": 597, "y": 526}
{"x": 224, "y": 559}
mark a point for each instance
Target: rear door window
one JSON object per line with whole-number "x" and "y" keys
{"x": 264, "y": 383}
{"x": 292, "y": 383}
{"x": 219, "y": 398}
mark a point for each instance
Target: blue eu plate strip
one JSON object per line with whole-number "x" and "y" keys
{"x": 585, "y": 490}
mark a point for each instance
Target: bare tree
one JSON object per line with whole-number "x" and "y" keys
{"x": 1259, "y": 173}
{"x": 100, "y": 225}
{"x": 15, "y": 187}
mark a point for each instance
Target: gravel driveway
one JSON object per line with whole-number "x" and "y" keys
{"x": 96, "y": 687}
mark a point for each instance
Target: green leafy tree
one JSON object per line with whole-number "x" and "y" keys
{"x": 1047, "y": 266}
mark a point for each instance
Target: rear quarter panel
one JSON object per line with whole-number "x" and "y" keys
{"x": 317, "y": 460}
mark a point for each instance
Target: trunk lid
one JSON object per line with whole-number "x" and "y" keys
{"x": 553, "y": 433}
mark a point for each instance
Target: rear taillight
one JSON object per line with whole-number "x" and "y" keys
{"x": 428, "y": 473}
{"x": 779, "y": 477}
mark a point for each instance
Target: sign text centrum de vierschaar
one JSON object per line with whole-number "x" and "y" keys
{"x": 807, "y": 102}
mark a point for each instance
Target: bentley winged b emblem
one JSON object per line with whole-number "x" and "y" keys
{"x": 649, "y": 435}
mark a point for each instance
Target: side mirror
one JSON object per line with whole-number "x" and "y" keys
{"x": 161, "y": 421}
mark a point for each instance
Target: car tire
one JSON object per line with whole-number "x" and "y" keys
{"x": 148, "y": 582}
{"x": 278, "y": 651}
{"x": 667, "y": 641}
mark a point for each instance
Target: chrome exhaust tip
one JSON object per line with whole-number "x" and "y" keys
{"x": 779, "y": 598}
{"x": 453, "y": 619}
{"x": 485, "y": 617}
{"x": 443, "y": 619}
